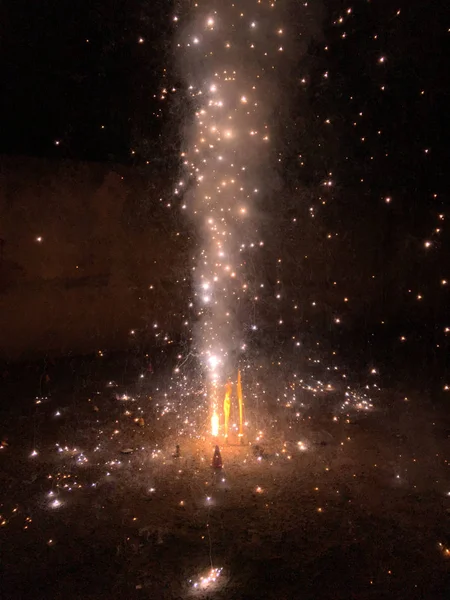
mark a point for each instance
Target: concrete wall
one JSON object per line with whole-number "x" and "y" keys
{"x": 81, "y": 247}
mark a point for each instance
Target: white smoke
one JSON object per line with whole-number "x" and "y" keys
{"x": 235, "y": 59}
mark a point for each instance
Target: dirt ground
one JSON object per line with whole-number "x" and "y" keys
{"x": 341, "y": 504}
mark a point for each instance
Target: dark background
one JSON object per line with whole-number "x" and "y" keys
{"x": 79, "y": 85}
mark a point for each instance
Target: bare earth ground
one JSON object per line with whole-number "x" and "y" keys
{"x": 356, "y": 511}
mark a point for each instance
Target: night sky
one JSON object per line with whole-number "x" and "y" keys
{"x": 80, "y": 80}
{"x": 92, "y": 81}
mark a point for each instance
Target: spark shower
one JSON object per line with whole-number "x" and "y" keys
{"x": 232, "y": 57}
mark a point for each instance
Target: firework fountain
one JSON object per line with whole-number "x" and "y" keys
{"x": 232, "y": 55}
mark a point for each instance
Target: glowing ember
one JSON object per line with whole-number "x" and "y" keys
{"x": 207, "y": 581}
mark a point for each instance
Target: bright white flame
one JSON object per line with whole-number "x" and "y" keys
{"x": 215, "y": 424}
{"x": 213, "y": 361}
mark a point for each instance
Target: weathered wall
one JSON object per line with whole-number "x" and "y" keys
{"x": 106, "y": 238}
